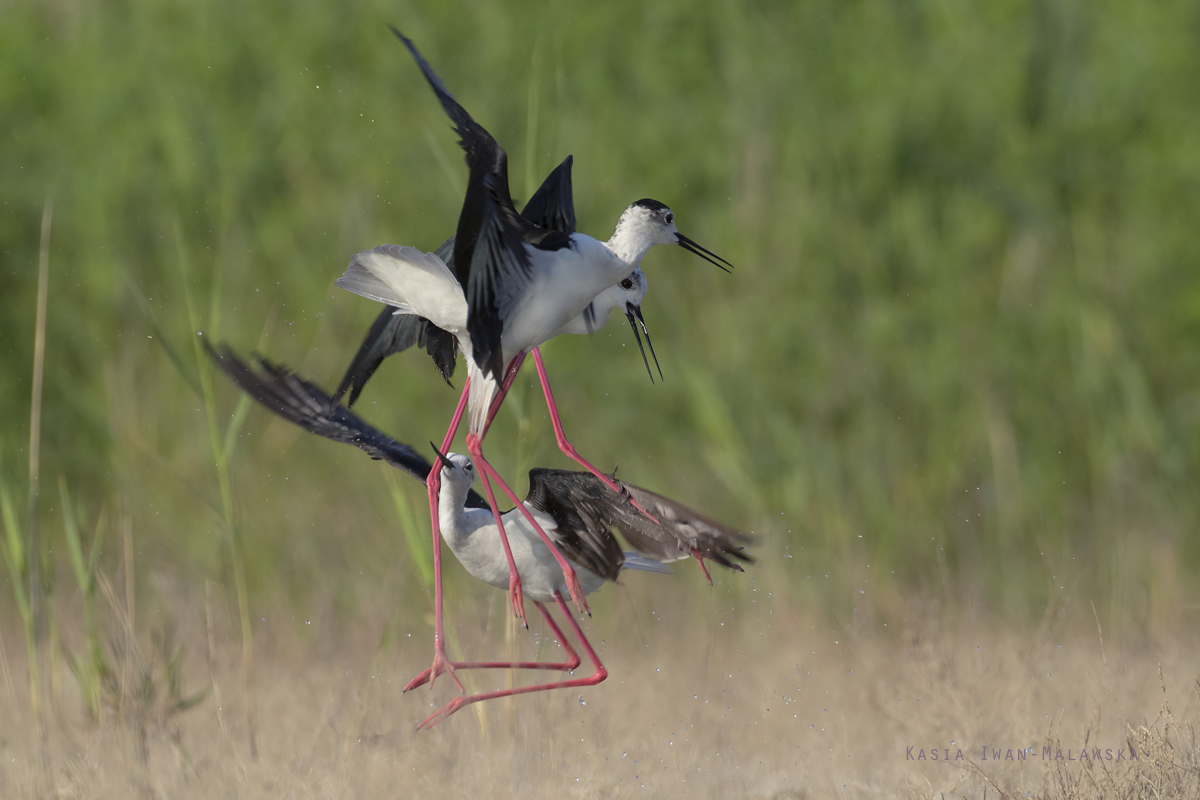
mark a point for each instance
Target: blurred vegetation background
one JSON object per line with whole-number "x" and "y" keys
{"x": 957, "y": 358}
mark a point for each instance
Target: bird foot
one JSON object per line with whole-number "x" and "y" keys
{"x": 516, "y": 598}
{"x": 576, "y": 592}
{"x": 441, "y": 665}
{"x": 443, "y": 712}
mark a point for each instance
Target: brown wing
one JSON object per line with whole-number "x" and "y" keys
{"x": 681, "y": 530}
{"x": 582, "y": 536}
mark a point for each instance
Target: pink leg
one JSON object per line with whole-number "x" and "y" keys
{"x": 569, "y": 449}
{"x": 700, "y": 560}
{"x": 565, "y": 666}
{"x": 510, "y": 375}
{"x": 475, "y": 448}
{"x": 433, "y": 483}
{"x": 476, "y": 451}
{"x": 599, "y": 675}
{"x": 514, "y": 577}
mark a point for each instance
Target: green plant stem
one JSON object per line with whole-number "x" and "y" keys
{"x": 220, "y": 449}
{"x": 33, "y": 549}
{"x": 14, "y": 556}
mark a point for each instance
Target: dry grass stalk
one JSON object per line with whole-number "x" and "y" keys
{"x": 211, "y": 641}
{"x": 788, "y": 705}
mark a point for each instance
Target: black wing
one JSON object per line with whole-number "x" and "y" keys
{"x": 484, "y": 157}
{"x": 552, "y": 206}
{"x": 305, "y": 404}
{"x": 395, "y": 333}
{"x": 488, "y": 218}
{"x": 500, "y": 272}
{"x": 681, "y": 529}
{"x": 392, "y": 333}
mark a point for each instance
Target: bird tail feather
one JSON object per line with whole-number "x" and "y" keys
{"x": 414, "y": 282}
{"x": 634, "y": 560}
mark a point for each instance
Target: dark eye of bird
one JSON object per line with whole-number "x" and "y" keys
{"x": 627, "y": 284}
{"x": 670, "y": 218}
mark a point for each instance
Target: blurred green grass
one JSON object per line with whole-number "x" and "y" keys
{"x": 958, "y": 356}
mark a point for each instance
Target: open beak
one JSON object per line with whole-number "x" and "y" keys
{"x": 634, "y": 313}
{"x": 441, "y": 457}
{"x": 692, "y": 247}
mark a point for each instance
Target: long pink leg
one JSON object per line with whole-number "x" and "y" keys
{"x": 565, "y": 666}
{"x": 599, "y": 675}
{"x": 569, "y": 449}
{"x": 514, "y": 367}
{"x": 700, "y": 560}
{"x": 514, "y": 577}
{"x": 475, "y": 448}
{"x": 433, "y": 482}
{"x": 576, "y": 591}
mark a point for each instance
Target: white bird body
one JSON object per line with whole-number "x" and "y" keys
{"x": 563, "y": 284}
{"x": 577, "y": 508}
{"x": 412, "y": 281}
{"x": 562, "y": 288}
{"x": 421, "y": 284}
{"x": 472, "y": 535}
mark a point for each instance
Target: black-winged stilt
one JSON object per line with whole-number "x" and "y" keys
{"x": 579, "y": 512}
{"x": 576, "y": 509}
{"x": 396, "y": 330}
{"x": 522, "y": 284}
{"x": 551, "y": 207}
{"x": 422, "y": 286}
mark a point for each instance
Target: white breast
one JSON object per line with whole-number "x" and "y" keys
{"x": 476, "y": 544}
{"x": 565, "y": 282}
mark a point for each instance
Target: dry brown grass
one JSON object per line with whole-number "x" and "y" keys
{"x": 719, "y": 698}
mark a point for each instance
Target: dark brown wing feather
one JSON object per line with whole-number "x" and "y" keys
{"x": 588, "y": 510}
{"x": 581, "y": 537}
{"x": 682, "y": 529}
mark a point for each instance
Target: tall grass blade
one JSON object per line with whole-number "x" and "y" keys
{"x": 71, "y": 530}
{"x": 221, "y": 446}
{"x": 91, "y": 668}
{"x": 160, "y": 335}
{"x": 417, "y": 537}
{"x": 18, "y": 565}
{"x": 235, "y": 427}
{"x": 453, "y": 176}
{"x": 33, "y": 550}
{"x": 531, "y": 121}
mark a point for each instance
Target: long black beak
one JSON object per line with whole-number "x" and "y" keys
{"x": 441, "y": 457}
{"x": 634, "y": 313}
{"x": 692, "y": 247}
